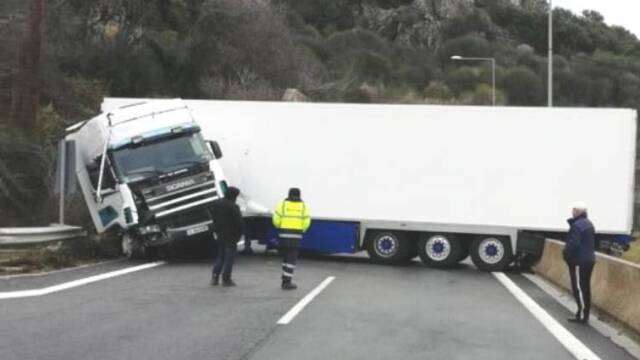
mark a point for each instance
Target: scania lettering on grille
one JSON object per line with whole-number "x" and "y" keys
{"x": 180, "y": 185}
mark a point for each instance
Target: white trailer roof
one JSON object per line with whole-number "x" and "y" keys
{"x": 516, "y": 167}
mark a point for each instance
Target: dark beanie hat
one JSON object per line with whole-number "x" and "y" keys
{"x": 294, "y": 193}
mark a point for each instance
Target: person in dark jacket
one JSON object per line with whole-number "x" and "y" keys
{"x": 228, "y": 225}
{"x": 579, "y": 254}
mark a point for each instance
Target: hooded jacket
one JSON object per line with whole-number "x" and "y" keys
{"x": 227, "y": 218}
{"x": 580, "y": 246}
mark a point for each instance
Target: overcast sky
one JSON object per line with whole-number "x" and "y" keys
{"x": 625, "y": 13}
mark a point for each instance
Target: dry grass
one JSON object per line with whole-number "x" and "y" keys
{"x": 633, "y": 254}
{"x": 28, "y": 259}
{"x": 45, "y": 257}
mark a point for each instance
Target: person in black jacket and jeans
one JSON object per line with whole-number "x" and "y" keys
{"x": 228, "y": 225}
{"x": 579, "y": 254}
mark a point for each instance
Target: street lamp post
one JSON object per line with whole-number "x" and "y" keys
{"x": 493, "y": 72}
{"x": 550, "y": 58}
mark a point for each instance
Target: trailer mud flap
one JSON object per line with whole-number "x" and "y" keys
{"x": 530, "y": 243}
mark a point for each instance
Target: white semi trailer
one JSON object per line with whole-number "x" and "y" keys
{"x": 146, "y": 171}
{"x": 443, "y": 182}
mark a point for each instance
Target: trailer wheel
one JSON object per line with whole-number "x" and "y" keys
{"x": 491, "y": 253}
{"x": 388, "y": 247}
{"x": 439, "y": 250}
{"x": 131, "y": 247}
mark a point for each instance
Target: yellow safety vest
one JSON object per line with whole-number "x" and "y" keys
{"x": 292, "y": 215}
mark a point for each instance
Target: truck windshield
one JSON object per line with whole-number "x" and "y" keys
{"x": 160, "y": 156}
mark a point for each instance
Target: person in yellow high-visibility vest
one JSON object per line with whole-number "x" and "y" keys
{"x": 291, "y": 218}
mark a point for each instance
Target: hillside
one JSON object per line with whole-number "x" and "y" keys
{"x": 391, "y": 51}
{"x": 339, "y": 50}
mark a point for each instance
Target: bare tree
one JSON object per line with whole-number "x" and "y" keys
{"x": 26, "y": 101}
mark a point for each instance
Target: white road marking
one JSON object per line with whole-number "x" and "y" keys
{"x": 76, "y": 283}
{"x": 579, "y": 350}
{"x": 567, "y": 301}
{"x": 45, "y": 273}
{"x": 305, "y": 301}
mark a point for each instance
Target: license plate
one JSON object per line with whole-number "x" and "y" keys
{"x": 197, "y": 230}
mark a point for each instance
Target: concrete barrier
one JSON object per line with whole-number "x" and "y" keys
{"x": 615, "y": 285}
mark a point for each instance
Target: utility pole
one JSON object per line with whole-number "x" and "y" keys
{"x": 26, "y": 97}
{"x": 550, "y": 58}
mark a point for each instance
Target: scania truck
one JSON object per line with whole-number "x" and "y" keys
{"x": 441, "y": 182}
{"x": 147, "y": 172}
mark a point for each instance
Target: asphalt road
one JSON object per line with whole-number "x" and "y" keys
{"x": 368, "y": 312}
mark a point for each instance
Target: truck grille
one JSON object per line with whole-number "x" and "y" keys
{"x": 181, "y": 195}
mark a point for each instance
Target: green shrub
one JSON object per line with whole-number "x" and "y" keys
{"x": 524, "y": 87}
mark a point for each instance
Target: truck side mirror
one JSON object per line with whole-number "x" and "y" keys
{"x": 93, "y": 166}
{"x": 215, "y": 147}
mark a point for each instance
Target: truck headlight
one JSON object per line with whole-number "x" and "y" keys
{"x": 149, "y": 229}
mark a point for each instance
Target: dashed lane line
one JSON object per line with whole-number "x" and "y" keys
{"x": 297, "y": 308}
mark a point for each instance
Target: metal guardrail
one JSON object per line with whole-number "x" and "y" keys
{"x": 18, "y": 236}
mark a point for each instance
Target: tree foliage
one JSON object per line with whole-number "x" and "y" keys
{"x": 332, "y": 50}
{"x": 254, "y": 49}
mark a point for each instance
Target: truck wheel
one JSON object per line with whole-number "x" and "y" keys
{"x": 165, "y": 252}
{"x": 131, "y": 247}
{"x": 439, "y": 250}
{"x": 491, "y": 253}
{"x": 389, "y": 247}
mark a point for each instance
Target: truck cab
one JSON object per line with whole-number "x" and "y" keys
{"x": 146, "y": 171}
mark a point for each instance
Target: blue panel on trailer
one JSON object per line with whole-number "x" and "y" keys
{"x": 329, "y": 237}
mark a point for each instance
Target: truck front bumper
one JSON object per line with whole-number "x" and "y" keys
{"x": 179, "y": 233}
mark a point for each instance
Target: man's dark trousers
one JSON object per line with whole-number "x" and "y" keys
{"x": 289, "y": 259}
{"x": 581, "y": 285}
{"x": 224, "y": 262}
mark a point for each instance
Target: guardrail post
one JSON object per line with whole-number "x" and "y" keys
{"x": 63, "y": 168}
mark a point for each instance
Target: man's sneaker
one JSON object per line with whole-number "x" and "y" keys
{"x": 215, "y": 280}
{"x": 289, "y": 286}
{"x": 575, "y": 320}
